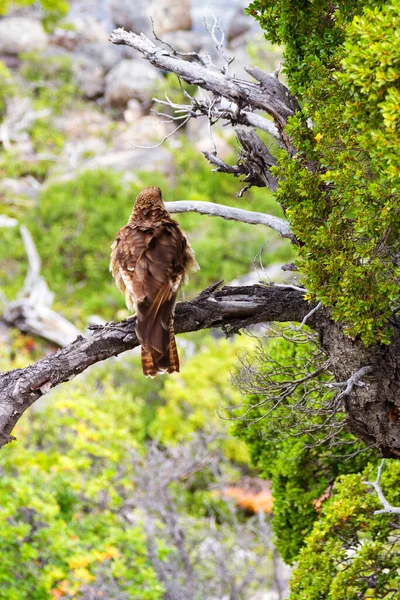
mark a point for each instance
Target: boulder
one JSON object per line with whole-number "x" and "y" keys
{"x": 167, "y": 15}
{"x": 239, "y": 25}
{"x": 89, "y": 77}
{"x": 88, "y": 29}
{"x": 79, "y": 124}
{"x": 134, "y": 111}
{"x": 131, "y": 79}
{"x": 146, "y": 131}
{"x": 20, "y": 34}
{"x": 103, "y": 54}
{"x": 134, "y": 160}
{"x": 183, "y": 41}
{"x": 133, "y": 16}
{"x": 171, "y": 15}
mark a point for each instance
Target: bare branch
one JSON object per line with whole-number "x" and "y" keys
{"x": 221, "y": 109}
{"x": 387, "y": 507}
{"x": 230, "y": 308}
{"x": 269, "y": 95}
{"x": 31, "y": 312}
{"x": 354, "y": 380}
{"x": 234, "y": 214}
{"x": 310, "y": 314}
{"x": 254, "y": 164}
{"x": 219, "y": 43}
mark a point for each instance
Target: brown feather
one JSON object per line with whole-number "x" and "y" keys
{"x": 149, "y": 260}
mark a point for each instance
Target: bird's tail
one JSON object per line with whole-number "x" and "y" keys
{"x": 153, "y": 362}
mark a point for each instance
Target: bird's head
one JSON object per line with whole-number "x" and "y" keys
{"x": 148, "y": 198}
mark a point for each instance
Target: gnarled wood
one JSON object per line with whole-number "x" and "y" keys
{"x": 230, "y": 308}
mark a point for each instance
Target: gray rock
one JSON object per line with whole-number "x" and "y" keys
{"x": 239, "y": 25}
{"x": 133, "y": 16}
{"x": 171, "y": 15}
{"x": 183, "y": 41}
{"x": 134, "y": 160}
{"x": 89, "y": 77}
{"x": 20, "y": 34}
{"x": 88, "y": 29}
{"x": 146, "y": 131}
{"x": 131, "y": 79}
{"x": 134, "y": 111}
{"x": 168, "y": 15}
{"x": 103, "y": 54}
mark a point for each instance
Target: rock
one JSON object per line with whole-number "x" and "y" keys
{"x": 20, "y": 34}
{"x": 131, "y": 79}
{"x": 146, "y": 131}
{"x": 64, "y": 38}
{"x": 239, "y": 25}
{"x": 133, "y": 16}
{"x": 103, "y": 54}
{"x": 204, "y": 144}
{"x": 82, "y": 124}
{"x": 183, "y": 41}
{"x": 171, "y": 15}
{"x": 136, "y": 159}
{"x": 88, "y": 29}
{"x": 89, "y": 77}
{"x": 134, "y": 111}
{"x": 168, "y": 15}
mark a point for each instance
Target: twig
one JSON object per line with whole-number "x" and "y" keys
{"x": 304, "y": 321}
{"x": 164, "y": 139}
{"x": 387, "y": 507}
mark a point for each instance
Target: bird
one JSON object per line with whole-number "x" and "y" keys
{"x": 150, "y": 259}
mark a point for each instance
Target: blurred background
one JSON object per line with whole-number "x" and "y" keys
{"x": 120, "y": 487}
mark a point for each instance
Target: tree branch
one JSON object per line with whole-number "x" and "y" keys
{"x": 387, "y": 507}
{"x": 255, "y": 162}
{"x": 230, "y": 308}
{"x": 31, "y": 312}
{"x": 231, "y": 214}
{"x": 268, "y": 95}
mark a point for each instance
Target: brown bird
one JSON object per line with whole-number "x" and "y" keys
{"x": 150, "y": 259}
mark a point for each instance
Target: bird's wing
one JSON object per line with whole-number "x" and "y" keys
{"x": 148, "y": 266}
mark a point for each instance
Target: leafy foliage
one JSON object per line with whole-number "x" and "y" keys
{"x": 60, "y": 530}
{"x": 341, "y": 192}
{"x": 352, "y": 553}
{"x": 186, "y": 411}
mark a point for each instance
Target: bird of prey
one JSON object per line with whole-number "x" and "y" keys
{"x": 150, "y": 259}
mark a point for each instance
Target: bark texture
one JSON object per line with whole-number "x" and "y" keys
{"x": 373, "y": 409}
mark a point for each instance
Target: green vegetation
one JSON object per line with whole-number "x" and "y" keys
{"x": 300, "y": 465}
{"x": 69, "y": 521}
{"x": 75, "y": 223}
{"x": 352, "y": 553}
{"x": 53, "y": 10}
{"x": 344, "y": 208}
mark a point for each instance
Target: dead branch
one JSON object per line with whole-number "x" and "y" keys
{"x": 255, "y": 162}
{"x": 31, "y": 312}
{"x": 229, "y": 308}
{"x": 387, "y": 507}
{"x": 223, "y": 110}
{"x": 268, "y": 95}
{"x": 230, "y": 213}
